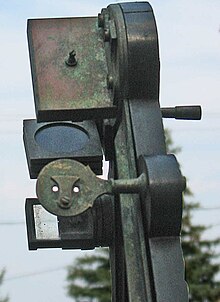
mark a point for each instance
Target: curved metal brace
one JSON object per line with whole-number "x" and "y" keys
{"x": 133, "y": 66}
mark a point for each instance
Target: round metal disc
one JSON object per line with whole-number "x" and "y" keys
{"x": 67, "y": 188}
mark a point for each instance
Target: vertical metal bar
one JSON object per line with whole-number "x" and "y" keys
{"x": 139, "y": 288}
{"x": 117, "y": 261}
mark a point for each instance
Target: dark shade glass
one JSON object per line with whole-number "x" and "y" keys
{"x": 61, "y": 138}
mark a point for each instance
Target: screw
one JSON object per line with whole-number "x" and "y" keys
{"x": 110, "y": 81}
{"x": 71, "y": 61}
{"x": 107, "y": 35}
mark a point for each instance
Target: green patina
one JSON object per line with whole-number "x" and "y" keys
{"x": 61, "y": 87}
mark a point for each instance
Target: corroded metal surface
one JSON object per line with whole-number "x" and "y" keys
{"x": 93, "y": 228}
{"x": 67, "y": 188}
{"x": 146, "y": 256}
{"x": 46, "y": 142}
{"x": 129, "y": 207}
{"x": 134, "y": 65}
{"x": 65, "y": 92}
{"x": 141, "y": 133}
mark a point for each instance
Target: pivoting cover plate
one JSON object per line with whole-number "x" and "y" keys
{"x": 66, "y": 187}
{"x": 63, "y": 92}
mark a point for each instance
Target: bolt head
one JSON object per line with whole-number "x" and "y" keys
{"x": 110, "y": 81}
{"x": 107, "y": 35}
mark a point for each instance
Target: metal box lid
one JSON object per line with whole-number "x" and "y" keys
{"x": 63, "y": 92}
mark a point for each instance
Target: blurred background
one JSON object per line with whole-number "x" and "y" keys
{"x": 189, "y": 38}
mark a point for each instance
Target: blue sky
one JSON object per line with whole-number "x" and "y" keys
{"x": 189, "y": 40}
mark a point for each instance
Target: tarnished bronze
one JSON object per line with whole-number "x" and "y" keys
{"x": 62, "y": 92}
{"x": 68, "y": 188}
{"x": 46, "y": 142}
{"x": 71, "y": 61}
{"x": 144, "y": 238}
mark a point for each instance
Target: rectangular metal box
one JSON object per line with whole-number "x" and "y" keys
{"x": 45, "y": 230}
{"x": 62, "y": 92}
{"x": 38, "y": 155}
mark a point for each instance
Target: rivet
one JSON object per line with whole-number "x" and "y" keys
{"x": 110, "y": 81}
{"x": 107, "y": 35}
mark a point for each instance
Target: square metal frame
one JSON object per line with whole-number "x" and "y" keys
{"x": 37, "y": 157}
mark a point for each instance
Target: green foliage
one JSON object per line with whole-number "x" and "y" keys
{"x": 2, "y": 273}
{"x": 169, "y": 143}
{"x": 199, "y": 254}
{"x": 89, "y": 277}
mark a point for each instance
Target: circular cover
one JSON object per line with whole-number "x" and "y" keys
{"x": 61, "y": 138}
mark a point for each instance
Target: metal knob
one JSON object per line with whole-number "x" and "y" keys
{"x": 182, "y": 112}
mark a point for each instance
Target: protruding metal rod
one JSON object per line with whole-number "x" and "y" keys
{"x": 71, "y": 61}
{"x": 182, "y": 112}
{"x": 134, "y": 185}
